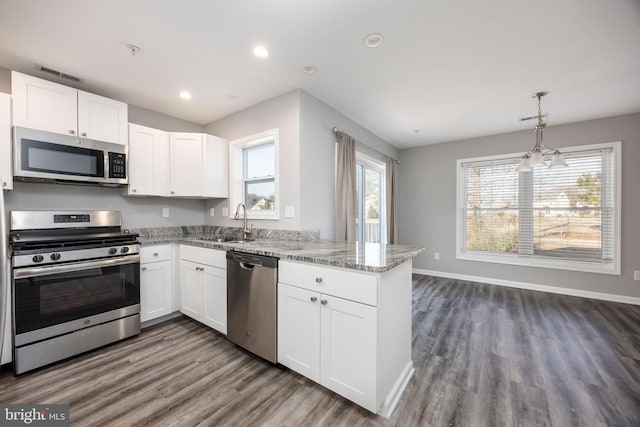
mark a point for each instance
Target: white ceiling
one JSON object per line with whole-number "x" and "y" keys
{"x": 454, "y": 69}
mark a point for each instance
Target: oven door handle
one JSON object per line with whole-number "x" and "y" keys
{"x": 23, "y": 273}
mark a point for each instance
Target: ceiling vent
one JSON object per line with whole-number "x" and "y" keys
{"x": 60, "y": 74}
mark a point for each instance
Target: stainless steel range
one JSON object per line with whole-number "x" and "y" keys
{"x": 76, "y": 284}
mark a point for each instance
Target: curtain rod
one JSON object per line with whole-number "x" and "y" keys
{"x": 336, "y": 130}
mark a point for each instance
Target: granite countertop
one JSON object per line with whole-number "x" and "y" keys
{"x": 372, "y": 257}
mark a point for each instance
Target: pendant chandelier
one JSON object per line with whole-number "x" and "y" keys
{"x": 535, "y": 157}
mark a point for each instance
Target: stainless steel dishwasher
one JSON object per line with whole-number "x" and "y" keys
{"x": 251, "y": 303}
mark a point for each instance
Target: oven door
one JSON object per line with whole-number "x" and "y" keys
{"x": 57, "y": 299}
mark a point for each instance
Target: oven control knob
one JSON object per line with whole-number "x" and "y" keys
{"x": 55, "y": 256}
{"x": 38, "y": 258}
{"x": 124, "y": 249}
{"x": 112, "y": 251}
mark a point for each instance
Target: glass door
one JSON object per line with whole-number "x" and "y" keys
{"x": 370, "y": 179}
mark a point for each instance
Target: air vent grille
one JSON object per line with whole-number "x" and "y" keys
{"x": 59, "y": 74}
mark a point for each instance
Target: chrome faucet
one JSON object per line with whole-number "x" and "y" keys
{"x": 246, "y": 230}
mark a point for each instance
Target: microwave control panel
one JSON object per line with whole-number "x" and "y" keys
{"x": 117, "y": 165}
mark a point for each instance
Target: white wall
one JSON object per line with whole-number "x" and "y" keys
{"x": 427, "y": 203}
{"x": 282, "y": 112}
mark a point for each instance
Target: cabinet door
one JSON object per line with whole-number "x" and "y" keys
{"x": 6, "y": 174}
{"x": 44, "y": 105}
{"x": 148, "y": 161}
{"x": 216, "y": 167}
{"x": 156, "y": 297}
{"x": 299, "y": 330}
{"x": 349, "y": 350}
{"x": 102, "y": 118}
{"x": 215, "y": 298}
{"x": 185, "y": 151}
{"x": 191, "y": 289}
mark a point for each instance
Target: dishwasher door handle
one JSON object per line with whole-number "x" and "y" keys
{"x": 246, "y": 265}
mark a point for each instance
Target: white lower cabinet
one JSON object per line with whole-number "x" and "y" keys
{"x": 156, "y": 282}
{"x": 349, "y": 331}
{"x": 329, "y": 340}
{"x": 203, "y": 286}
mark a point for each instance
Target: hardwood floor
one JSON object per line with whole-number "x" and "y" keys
{"x": 484, "y": 356}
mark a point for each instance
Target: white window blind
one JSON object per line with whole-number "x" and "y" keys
{"x": 559, "y": 218}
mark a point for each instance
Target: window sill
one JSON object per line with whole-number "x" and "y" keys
{"x": 523, "y": 260}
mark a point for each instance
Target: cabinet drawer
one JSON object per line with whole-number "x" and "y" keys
{"x": 351, "y": 285}
{"x": 155, "y": 253}
{"x": 206, "y": 256}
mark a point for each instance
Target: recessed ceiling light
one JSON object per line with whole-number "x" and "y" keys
{"x": 308, "y": 69}
{"x": 260, "y": 51}
{"x": 185, "y": 95}
{"x": 373, "y": 40}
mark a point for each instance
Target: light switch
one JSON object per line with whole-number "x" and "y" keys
{"x": 165, "y": 212}
{"x": 225, "y": 211}
{"x": 436, "y": 256}
{"x": 636, "y": 275}
{"x": 212, "y": 212}
{"x": 289, "y": 211}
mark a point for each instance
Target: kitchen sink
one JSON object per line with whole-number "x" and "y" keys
{"x": 226, "y": 239}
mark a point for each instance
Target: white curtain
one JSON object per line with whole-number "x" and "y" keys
{"x": 391, "y": 183}
{"x": 346, "y": 201}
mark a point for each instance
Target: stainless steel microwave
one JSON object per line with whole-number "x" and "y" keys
{"x": 41, "y": 156}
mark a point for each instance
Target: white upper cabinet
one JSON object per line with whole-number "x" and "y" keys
{"x": 44, "y": 105}
{"x": 199, "y": 165}
{"x": 185, "y": 151}
{"x": 6, "y": 175}
{"x": 148, "y": 161}
{"x": 101, "y": 118}
{"x": 41, "y": 104}
{"x": 215, "y": 167}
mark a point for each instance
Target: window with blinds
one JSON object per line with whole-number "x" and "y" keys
{"x": 564, "y": 218}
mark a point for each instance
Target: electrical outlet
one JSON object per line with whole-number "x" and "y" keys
{"x": 636, "y": 275}
{"x": 165, "y": 212}
{"x": 212, "y": 212}
{"x": 289, "y": 211}
{"x": 436, "y": 256}
{"x": 225, "y": 211}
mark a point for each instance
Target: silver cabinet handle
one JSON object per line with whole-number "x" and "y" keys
{"x": 323, "y": 301}
{"x": 173, "y": 192}
{"x": 314, "y": 299}
{"x": 72, "y": 132}
{"x": 83, "y": 134}
{"x": 143, "y": 268}
{"x": 133, "y": 191}
{"x": 4, "y": 183}
{"x": 155, "y": 254}
{"x": 318, "y": 279}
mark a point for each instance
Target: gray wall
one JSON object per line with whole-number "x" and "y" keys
{"x": 136, "y": 212}
{"x": 317, "y": 160}
{"x": 282, "y": 112}
{"x": 427, "y": 203}
{"x": 307, "y": 157}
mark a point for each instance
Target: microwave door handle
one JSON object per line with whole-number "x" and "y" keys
{"x": 23, "y": 273}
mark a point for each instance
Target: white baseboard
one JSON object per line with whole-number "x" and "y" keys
{"x": 533, "y": 286}
{"x": 389, "y": 404}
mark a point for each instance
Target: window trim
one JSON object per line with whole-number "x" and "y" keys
{"x": 237, "y": 172}
{"x": 544, "y": 262}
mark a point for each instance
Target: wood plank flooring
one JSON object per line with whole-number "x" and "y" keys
{"x": 484, "y": 356}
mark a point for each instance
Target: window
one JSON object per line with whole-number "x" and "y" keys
{"x": 371, "y": 211}
{"x": 253, "y": 172}
{"x": 566, "y": 218}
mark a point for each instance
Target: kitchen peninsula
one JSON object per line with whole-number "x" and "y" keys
{"x": 344, "y": 308}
